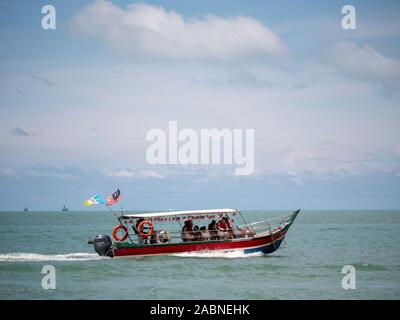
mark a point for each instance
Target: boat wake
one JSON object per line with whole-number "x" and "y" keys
{"x": 218, "y": 254}
{"x": 78, "y": 256}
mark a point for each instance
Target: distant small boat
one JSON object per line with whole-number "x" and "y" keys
{"x": 26, "y": 209}
{"x": 64, "y": 209}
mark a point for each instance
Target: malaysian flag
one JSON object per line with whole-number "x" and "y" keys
{"x": 114, "y": 198}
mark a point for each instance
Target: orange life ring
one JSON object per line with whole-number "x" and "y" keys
{"x": 226, "y": 227}
{"x": 140, "y": 229}
{"x": 115, "y": 234}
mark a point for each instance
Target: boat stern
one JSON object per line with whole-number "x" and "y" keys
{"x": 103, "y": 245}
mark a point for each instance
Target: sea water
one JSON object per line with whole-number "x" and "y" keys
{"x": 307, "y": 266}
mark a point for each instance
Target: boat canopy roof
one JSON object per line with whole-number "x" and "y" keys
{"x": 180, "y": 213}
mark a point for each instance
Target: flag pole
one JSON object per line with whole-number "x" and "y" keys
{"x": 118, "y": 218}
{"x": 113, "y": 212}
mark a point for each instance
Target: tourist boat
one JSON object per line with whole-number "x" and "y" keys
{"x": 145, "y": 234}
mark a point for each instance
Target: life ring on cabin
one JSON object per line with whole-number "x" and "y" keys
{"x": 223, "y": 226}
{"x": 142, "y": 225}
{"x": 115, "y": 232}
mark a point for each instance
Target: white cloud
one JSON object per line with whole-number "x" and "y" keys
{"x": 126, "y": 173}
{"x": 7, "y": 172}
{"x": 364, "y": 62}
{"x": 295, "y": 177}
{"x": 322, "y": 162}
{"x": 297, "y": 159}
{"x": 151, "y": 174}
{"x": 145, "y": 30}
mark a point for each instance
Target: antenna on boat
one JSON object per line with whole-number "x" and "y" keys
{"x": 245, "y": 222}
{"x": 112, "y": 211}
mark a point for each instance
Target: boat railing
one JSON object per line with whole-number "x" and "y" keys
{"x": 266, "y": 225}
{"x": 278, "y": 220}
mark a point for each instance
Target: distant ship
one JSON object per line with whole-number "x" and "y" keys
{"x": 26, "y": 209}
{"x": 64, "y": 209}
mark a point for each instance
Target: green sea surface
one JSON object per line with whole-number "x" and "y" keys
{"x": 308, "y": 265}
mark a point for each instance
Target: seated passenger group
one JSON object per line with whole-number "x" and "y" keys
{"x": 215, "y": 231}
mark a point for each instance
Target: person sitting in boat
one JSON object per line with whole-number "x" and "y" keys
{"x": 187, "y": 231}
{"x": 204, "y": 233}
{"x": 212, "y": 229}
{"x": 224, "y": 224}
{"x": 197, "y": 233}
{"x": 224, "y": 228}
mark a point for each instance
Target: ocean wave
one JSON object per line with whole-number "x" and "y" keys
{"x": 368, "y": 267}
{"x": 24, "y": 256}
{"x": 217, "y": 254}
{"x": 331, "y": 229}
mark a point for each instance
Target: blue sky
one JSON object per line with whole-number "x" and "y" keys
{"x": 76, "y": 102}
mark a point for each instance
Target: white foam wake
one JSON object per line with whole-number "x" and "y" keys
{"x": 23, "y": 256}
{"x": 218, "y": 254}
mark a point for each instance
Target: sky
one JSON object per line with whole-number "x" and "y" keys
{"x": 77, "y": 102}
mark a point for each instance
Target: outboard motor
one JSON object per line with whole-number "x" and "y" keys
{"x": 102, "y": 245}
